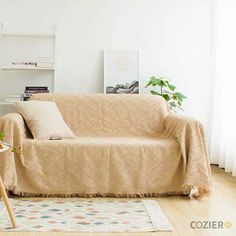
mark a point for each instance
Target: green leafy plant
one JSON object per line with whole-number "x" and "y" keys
{"x": 167, "y": 91}
{"x": 1, "y": 135}
{"x": 13, "y": 149}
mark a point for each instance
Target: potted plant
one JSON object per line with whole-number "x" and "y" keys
{"x": 167, "y": 91}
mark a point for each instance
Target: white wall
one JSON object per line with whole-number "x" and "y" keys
{"x": 172, "y": 36}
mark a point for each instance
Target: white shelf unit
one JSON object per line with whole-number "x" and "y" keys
{"x": 26, "y": 68}
{"x": 24, "y": 47}
{"x": 25, "y": 35}
{"x": 7, "y": 103}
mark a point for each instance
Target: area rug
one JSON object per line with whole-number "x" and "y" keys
{"x": 78, "y": 215}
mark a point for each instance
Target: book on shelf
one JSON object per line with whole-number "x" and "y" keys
{"x": 45, "y": 62}
{"x": 36, "y": 91}
{"x": 45, "y": 65}
{"x": 36, "y": 88}
{"x": 30, "y": 90}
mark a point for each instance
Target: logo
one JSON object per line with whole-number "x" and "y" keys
{"x": 211, "y": 224}
{"x": 227, "y": 224}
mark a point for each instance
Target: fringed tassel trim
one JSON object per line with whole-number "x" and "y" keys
{"x": 197, "y": 192}
{"x": 193, "y": 192}
{"x": 92, "y": 195}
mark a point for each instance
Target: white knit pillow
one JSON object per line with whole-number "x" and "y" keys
{"x": 44, "y": 120}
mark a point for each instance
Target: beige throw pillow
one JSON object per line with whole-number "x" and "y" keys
{"x": 44, "y": 120}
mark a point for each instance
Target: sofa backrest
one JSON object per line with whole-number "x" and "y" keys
{"x": 111, "y": 114}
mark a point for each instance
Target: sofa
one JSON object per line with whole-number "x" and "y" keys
{"x": 125, "y": 146}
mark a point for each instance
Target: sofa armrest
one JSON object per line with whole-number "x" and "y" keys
{"x": 191, "y": 138}
{"x": 14, "y": 129}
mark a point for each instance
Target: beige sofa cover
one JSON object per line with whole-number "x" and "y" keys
{"x": 126, "y": 145}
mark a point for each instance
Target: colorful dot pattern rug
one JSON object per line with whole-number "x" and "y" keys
{"x": 77, "y": 215}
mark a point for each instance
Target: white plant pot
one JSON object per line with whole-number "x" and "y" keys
{"x": 5, "y": 147}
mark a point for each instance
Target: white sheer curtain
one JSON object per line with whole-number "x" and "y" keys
{"x": 223, "y": 139}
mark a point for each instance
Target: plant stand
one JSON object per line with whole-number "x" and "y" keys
{"x": 7, "y": 203}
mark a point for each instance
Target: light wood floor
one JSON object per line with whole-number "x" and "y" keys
{"x": 220, "y": 205}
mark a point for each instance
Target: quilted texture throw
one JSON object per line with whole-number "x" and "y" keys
{"x": 125, "y": 146}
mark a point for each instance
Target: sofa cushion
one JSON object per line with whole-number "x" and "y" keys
{"x": 44, "y": 120}
{"x": 116, "y": 165}
{"x": 111, "y": 114}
